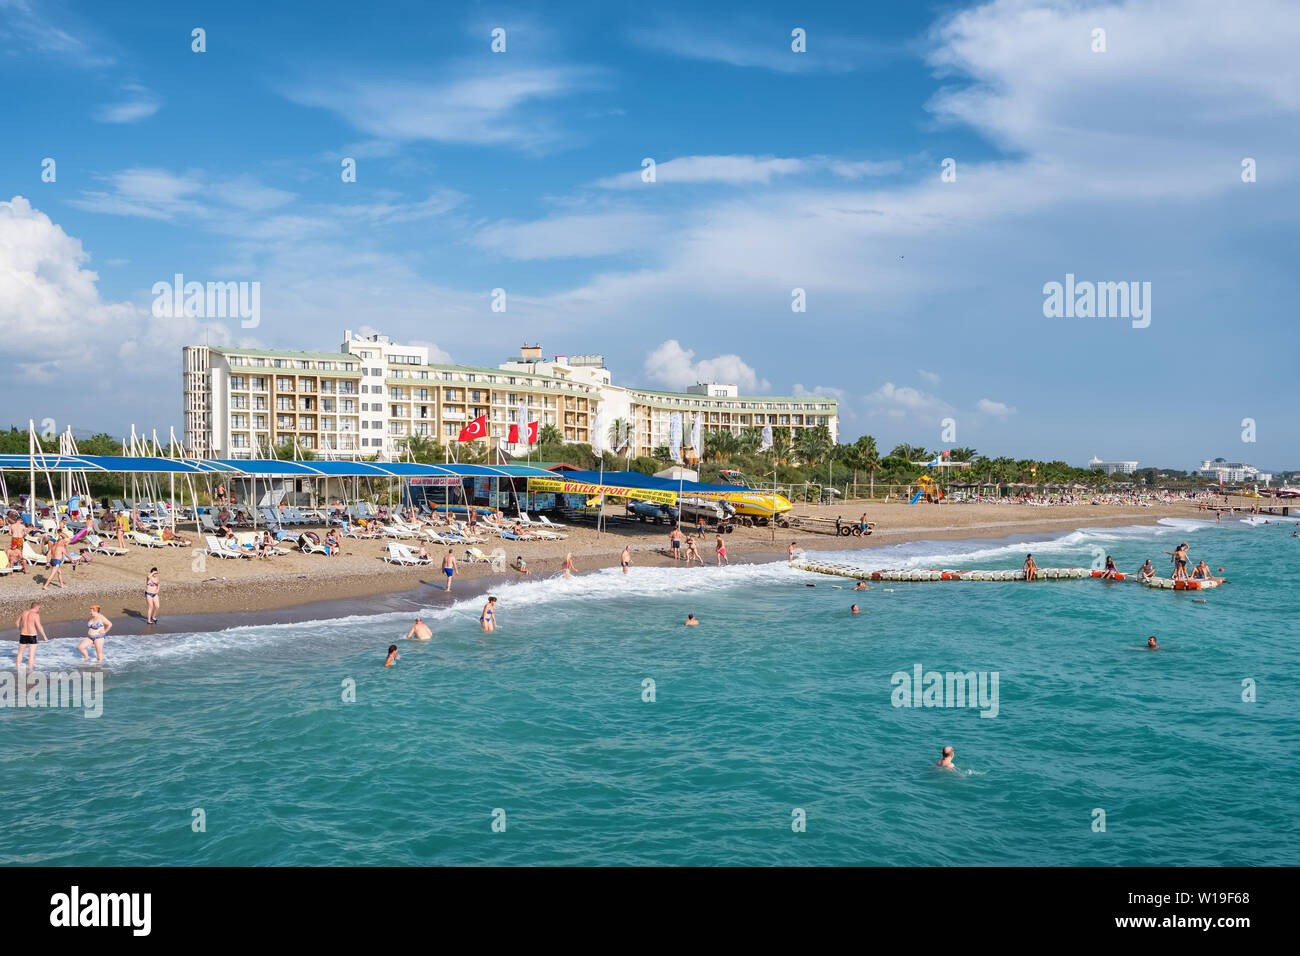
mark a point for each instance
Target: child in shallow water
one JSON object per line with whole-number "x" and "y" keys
{"x": 393, "y": 656}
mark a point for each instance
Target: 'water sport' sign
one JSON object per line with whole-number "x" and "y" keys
{"x": 591, "y": 488}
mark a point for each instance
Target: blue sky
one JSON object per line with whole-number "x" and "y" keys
{"x": 776, "y": 170}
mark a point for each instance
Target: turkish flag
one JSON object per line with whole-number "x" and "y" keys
{"x": 512, "y": 438}
{"x": 475, "y": 429}
{"x": 532, "y": 432}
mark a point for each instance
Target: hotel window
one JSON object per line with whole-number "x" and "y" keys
{"x": 259, "y": 403}
{"x": 284, "y": 404}
{"x": 308, "y": 441}
{"x": 284, "y": 385}
{"x": 259, "y": 421}
{"x": 259, "y": 384}
{"x": 347, "y": 405}
{"x": 284, "y": 422}
{"x": 422, "y": 394}
{"x": 237, "y": 381}
{"x": 238, "y": 421}
{"x": 326, "y": 423}
{"x": 394, "y": 393}
{"x": 239, "y": 441}
{"x": 307, "y": 423}
{"x": 327, "y": 404}
{"x": 239, "y": 401}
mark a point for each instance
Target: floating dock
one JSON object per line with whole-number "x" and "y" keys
{"x": 1044, "y": 574}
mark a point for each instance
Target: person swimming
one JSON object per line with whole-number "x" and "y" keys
{"x": 861, "y": 586}
{"x": 691, "y": 622}
{"x": 393, "y": 656}
{"x": 854, "y": 609}
{"x": 487, "y": 619}
{"x": 419, "y": 630}
{"x": 946, "y": 758}
{"x": 1151, "y": 643}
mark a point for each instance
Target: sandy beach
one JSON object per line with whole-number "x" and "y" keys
{"x": 229, "y": 592}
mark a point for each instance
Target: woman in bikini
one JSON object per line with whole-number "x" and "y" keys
{"x": 97, "y": 629}
{"x": 488, "y": 619}
{"x": 151, "y": 587}
{"x": 568, "y": 565}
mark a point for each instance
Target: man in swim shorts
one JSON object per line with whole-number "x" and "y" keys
{"x": 675, "y": 542}
{"x": 57, "y": 555}
{"x": 945, "y": 759}
{"x": 626, "y": 558}
{"x": 419, "y": 630}
{"x": 449, "y": 567}
{"x": 29, "y": 625}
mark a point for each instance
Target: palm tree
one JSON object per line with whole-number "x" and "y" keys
{"x": 720, "y": 445}
{"x": 620, "y": 429}
{"x": 911, "y": 453}
{"x": 812, "y": 445}
{"x": 661, "y": 453}
{"x": 863, "y": 454}
{"x": 781, "y": 437}
{"x": 423, "y": 448}
{"x": 963, "y": 454}
{"x": 550, "y": 435}
{"x": 750, "y": 440}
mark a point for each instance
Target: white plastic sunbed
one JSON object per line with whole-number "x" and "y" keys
{"x": 401, "y": 554}
{"x": 31, "y": 555}
{"x": 147, "y": 540}
{"x": 218, "y": 550}
{"x": 96, "y": 545}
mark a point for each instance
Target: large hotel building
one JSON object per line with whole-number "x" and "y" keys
{"x": 365, "y": 399}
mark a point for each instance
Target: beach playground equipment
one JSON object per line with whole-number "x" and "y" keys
{"x": 926, "y": 487}
{"x": 839, "y": 569}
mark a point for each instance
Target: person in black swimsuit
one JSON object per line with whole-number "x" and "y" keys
{"x": 29, "y": 625}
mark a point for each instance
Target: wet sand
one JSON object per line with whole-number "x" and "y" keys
{"x": 212, "y": 593}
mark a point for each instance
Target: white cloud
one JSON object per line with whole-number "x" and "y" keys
{"x": 52, "y": 312}
{"x": 139, "y": 103}
{"x": 902, "y": 401}
{"x": 563, "y": 237}
{"x": 485, "y": 108}
{"x": 734, "y": 170}
{"x": 746, "y": 42}
{"x": 930, "y": 377}
{"x": 675, "y": 368}
{"x": 990, "y": 407}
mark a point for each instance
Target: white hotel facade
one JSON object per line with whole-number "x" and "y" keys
{"x": 368, "y": 397}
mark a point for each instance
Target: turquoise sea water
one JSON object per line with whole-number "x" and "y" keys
{"x": 780, "y": 701}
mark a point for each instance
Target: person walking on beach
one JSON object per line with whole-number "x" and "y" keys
{"x": 151, "y": 603}
{"x": 29, "y": 624}
{"x": 57, "y": 555}
{"x": 17, "y": 531}
{"x": 123, "y": 526}
{"x": 1031, "y": 568}
{"x": 568, "y": 565}
{"x": 97, "y": 629}
{"x": 419, "y": 630}
{"x": 945, "y": 759}
{"x": 675, "y": 542}
{"x": 839, "y": 521}
{"x": 789, "y": 552}
{"x": 720, "y": 549}
{"x": 626, "y": 558}
{"x": 393, "y": 656}
{"x": 487, "y": 618}
{"x": 449, "y": 567}
{"x": 692, "y": 552}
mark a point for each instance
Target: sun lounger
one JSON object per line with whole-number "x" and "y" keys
{"x": 307, "y": 546}
{"x": 31, "y": 555}
{"x": 219, "y": 550}
{"x": 547, "y": 522}
{"x": 95, "y": 544}
{"x": 147, "y": 540}
{"x": 476, "y": 556}
{"x": 401, "y": 554}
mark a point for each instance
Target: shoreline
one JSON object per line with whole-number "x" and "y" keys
{"x": 276, "y": 591}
